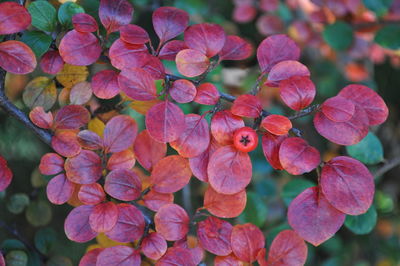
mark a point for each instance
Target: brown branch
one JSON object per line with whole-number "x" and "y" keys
{"x": 393, "y": 163}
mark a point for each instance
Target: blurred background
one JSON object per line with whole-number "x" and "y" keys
{"x": 343, "y": 42}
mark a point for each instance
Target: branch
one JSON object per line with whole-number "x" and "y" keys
{"x": 12, "y": 110}
{"x": 393, "y": 163}
{"x": 305, "y": 112}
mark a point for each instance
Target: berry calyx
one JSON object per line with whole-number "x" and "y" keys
{"x": 245, "y": 139}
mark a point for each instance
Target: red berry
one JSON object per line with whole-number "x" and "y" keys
{"x": 245, "y": 139}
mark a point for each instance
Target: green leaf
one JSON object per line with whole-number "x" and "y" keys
{"x": 16, "y": 258}
{"x": 44, "y": 15}
{"x": 362, "y": 224}
{"x": 388, "y": 37}
{"x": 379, "y": 7}
{"x": 293, "y": 188}
{"x": 338, "y": 35}
{"x": 255, "y": 211}
{"x": 369, "y": 150}
{"x": 17, "y": 203}
{"x": 12, "y": 244}
{"x": 67, "y": 11}
{"x": 45, "y": 239}
{"x": 38, "y": 41}
{"x": 38, "y": 213}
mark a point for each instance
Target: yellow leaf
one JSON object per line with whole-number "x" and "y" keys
{"x": 143, "y": 106}
{"x": 91, "y": 247}
{"x": 97, "y": 126}
{"x": 105, "y": 242}
{"x": 71, "y": 75}
{"x": 63, "y": 97}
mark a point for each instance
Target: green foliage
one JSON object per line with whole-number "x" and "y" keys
{"x": 379, "y": 7}
{"x": 362, "y": 224}
{"x": 339, "y": 35}
{"x": 255, "y": 211}
{"x": 38, "y": 41}
{"x": 44, "y": 15}
{"x": 17, "y": 203}
{"x": 17, "y": 258}
{"x": 11, "y": 244}
{"x": 39, "y": 213}
{"x": 67, "y": 11}
{"x": 388, "y": 37}
{"x": 369, "y": 150}
{"x": 45, "y": 239}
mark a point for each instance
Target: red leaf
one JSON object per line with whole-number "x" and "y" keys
{"x": 85, "y": 168}
{"x": 269, "y": 24}
{"x": 229, "y": 170}
{"x": 313, "y": 218}
{"x": 130, "y": 224}
{"x": 369, "y": 100}
{"x": 172, "y": 222}
{"x": 277, "y": 124}
{"x": 297, "y": 156}
{"x": 275, "y": 49}
{"x": 40, "y": 118}
{"x": 120, "y": 133}
{"x": 247, "y": 105}
{"x": 347, "y": 185}
{"x": 91, "y": 194}
{"x": 123, "y": 184}
{"x": 59, "y": 189}
{"x": 207, "y": 94}
{"x": 190, "y": 243}
{"x": 207, "y": 38}
{"x": 235, "y": 48}
{"x": 71, "y": 117}
{"x": 297, "y": 92}
{"x": 125, "y": 55}
{"x": 285, "y": 70}
{"x": 170, "y": 174}
{"x": 344, "y": 133}
{"x": 17, "y": 57}
{"x": 51, "y": 62}
{"x": 170, "y": 49}
{"x": 154, "y": 67}
{"x": 183, "y": 91}
{"x": 104, "y": 217}
{"x": 287, "y": 249}
{"x": 13, "y": 18}
{"x": 105, "y": 84}
{"x": 121, "y": 160}
{"x": 338, "y": 109}
{"x": 65, "y": 143}
{"x": 5, "y": 174}
{"x": 223, "y": 125}
{"x": 115, "y": 13}
{"x": 169, "y": 22}
{"x": 224, "y": 206}
{"x": 154, "y": 246}
{"x": 77, "y": 226}
{"x": 244, "y": 13}
{"x": 177, "y": 256}
{"x": 137, "y": 84}
{"x": 271, "y": 145}
{"x": 154, "y": 200}
{"x": 215, "y": 236}
{"x": 90, "y": 258}
{"x": 148, "y": 151}
{"x": 195, "y": 139}
{"x": 119, "y": 256}
{"x": 230, "y": 260}
{"x": 51, "y": 164}
{"x": 79, "y": 48}
{"x": 90, "y": 140}
{"x": 165, "y": 122}
{"x": 199, "y": 164}
{"x": 134, "y": 34}
{"x": 84, "y": 23}
{"x": 191, "y": 63}
{"x": 247, "y": 240}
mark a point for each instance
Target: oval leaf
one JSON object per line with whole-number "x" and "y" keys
{"x": 172, "y": 222}
{"x": 123, "y": 184}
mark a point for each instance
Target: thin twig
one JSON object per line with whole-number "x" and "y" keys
{"x": 388, "y": 166}
{"x": 305, "y": 112}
